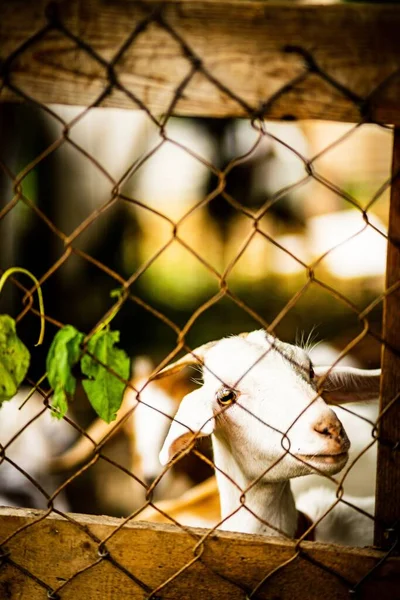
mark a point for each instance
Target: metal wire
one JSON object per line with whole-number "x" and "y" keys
{"x": 118, "y": 196}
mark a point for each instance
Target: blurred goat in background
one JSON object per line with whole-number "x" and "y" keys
{"x": 30, "y": 437}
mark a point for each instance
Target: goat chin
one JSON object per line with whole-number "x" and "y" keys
{"x": 341, "y": 523}
{"x": 361, "y": 466}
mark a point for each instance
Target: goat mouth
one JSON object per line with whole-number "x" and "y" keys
{"x": 324, "y": 459}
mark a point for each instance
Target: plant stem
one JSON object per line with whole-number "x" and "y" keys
{"x": 13, "y": 270}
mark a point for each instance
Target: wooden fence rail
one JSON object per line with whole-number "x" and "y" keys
{"x": 242, "y": 46}
{"x": 54, "y": 550}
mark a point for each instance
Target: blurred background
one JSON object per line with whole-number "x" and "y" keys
{"x": 306, "y": 215}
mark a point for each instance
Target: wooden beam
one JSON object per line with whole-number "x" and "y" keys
{"x": 56, "y": 554}
{"x": 388, "y": 469}
{"x": 241, "y": 49}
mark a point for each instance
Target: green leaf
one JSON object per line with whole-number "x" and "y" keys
{"x": 104, "y": 390}
{"x": 63, "y": 354}
{"x": 14, "y": 359}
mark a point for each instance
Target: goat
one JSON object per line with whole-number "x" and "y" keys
{"x": 197, "y": 507}
{"x": 200, "y": 507}
{"x": 262, "y": 404}
{"x": 146, "y": 415}
{"x": 31, "y": 437}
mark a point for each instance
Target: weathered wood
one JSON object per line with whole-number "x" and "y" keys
{"x": 54, "y": 550}
{"x": 240, "y": 44}
{"x": 388, "y": 470}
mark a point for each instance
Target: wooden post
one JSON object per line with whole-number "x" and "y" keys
{"x": 388, "y": 471}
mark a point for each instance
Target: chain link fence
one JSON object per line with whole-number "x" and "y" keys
{"x": 220, "y": 259}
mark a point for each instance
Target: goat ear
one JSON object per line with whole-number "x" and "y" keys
{"x": 195, "y": 357}
{"x": 194, "y": 419}
{"x": 341, "y": 385}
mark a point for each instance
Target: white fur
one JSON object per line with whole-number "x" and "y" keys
{"x": 150, "y": 424}
{"x": 151, "y": 419}
{"x": 277, "y": 410}
{"x": 36, "y": 442}
{"x": 360, "y": 479}
{"x": 342, "y": 525}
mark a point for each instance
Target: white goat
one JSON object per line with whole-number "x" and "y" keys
{"x": 259, "y": 402}
{"x": 31, "y": 439}
{"x": 197, "y": 507}
{"x": 151, "y": 411}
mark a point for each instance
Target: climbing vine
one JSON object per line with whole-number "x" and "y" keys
{"x": 103, "y": 365}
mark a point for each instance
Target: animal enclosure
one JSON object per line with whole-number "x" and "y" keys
{"x": 167, "y": 175}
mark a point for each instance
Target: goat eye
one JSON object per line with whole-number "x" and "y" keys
{"x": 226, "y": 396}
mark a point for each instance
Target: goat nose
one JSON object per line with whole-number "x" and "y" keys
{"x": 331, "y": 428}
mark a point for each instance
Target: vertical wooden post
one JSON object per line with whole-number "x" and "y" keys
{"x": 388, "y": 471}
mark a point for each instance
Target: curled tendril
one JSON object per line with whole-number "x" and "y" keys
{"x": 121, "y": 296}
{"x": 8, "y": 274}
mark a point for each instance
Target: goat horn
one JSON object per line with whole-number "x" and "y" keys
{"x": 191, "y": 358}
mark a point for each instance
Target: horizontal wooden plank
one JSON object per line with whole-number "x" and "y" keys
{"x": 57, "y": 554}
{"x": 241, "y": 45}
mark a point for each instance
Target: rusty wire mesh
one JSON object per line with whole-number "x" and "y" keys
{"x": 254, "y": 227}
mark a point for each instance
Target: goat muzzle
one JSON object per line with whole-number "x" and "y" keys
{"x": 331, "y": 430}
